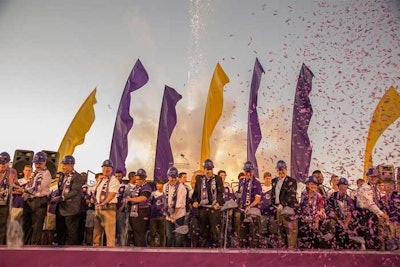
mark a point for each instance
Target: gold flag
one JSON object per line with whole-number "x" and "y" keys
{"x": 78, "y": 128}
{"x": 215, "y": 102}
{"x": 387, "y": 112}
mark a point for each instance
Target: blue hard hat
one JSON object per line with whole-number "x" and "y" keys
{"x": 311, "y": 179}
{"x": 68, "y": 160}
{"x": 281, "y": 165}
{"x": 372, "y": 172}
{"x": 141, "y": 173}
{"x": 107, "y": 163}
{"x": 39, "y": 157}
{"x": 173, "y": 172}
{"x": 343, "y": 181}
{"x": 208, "y": 164}
{"x": 248, "y": 166}
{"x": 4, "y": 158}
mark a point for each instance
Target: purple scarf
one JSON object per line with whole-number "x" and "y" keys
{"x": 134, "y": 206}
{"x": 248, "y": 193}
{"x": 204, "y": 192}
{"x": 170, "y": 207}
{"x": 104, "y": 190}
{"x": 37, "y": 180}
{"x": 66, "y": 185}
{"x": 4, "y": 189}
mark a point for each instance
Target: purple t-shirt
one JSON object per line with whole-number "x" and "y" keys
{"x": 266, "y": 204}
{"x": 19, "y": 199}
{"x": 255, "y": 189}
{"x": 144, "y": 190}
{"x": 157, "y": 205}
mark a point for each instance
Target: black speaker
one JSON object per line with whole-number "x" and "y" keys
{"x": 22, "y": 158}
{"x": 52, "y": 161}
{"x": 386, "y": 172}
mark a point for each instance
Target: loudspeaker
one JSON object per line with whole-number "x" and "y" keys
{"x": 22, "y": 158}
{"x": 386, "y": 172}
{"x": 52, "y": 161}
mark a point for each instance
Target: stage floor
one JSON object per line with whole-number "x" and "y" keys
{"x": 129, "y": 256}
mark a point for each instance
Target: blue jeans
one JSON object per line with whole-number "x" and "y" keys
{"x": 175, "y": 239}
{"x": 122, "y": 230}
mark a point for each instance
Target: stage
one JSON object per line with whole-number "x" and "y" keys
{"x": 129, "y": 256}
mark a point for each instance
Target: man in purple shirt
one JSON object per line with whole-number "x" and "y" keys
{"x": 249, "y": 205}
{"x": 208, "y": 197}
{"x": 139, "y": 199}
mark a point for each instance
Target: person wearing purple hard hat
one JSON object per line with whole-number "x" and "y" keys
{"x": 283, "y": 195}
{"x": 175, "y": 194}
{"x": 368, "y": 202}
{"x": 311, "y": 215}
{"x": 105, "y": 200}
{"x": 138, "y": 200}
{"x": 208, "y": 197}
{"x": 339, "y": 209}
{"x": 8, "y": 177}
{"x": 69, "y": 199}
{"x": 249, "y": 203}
{"x": 36, "y": 193}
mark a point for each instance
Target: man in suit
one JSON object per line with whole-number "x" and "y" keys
{"x": 208, "y": 197}
{"x": 69, "y": 200}
{"x": 283, "y": 195}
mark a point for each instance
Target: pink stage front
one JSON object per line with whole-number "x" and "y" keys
{"x": 126, "y": 256}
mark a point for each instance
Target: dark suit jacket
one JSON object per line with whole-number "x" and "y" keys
{"x": 72, "y": 203}
{"x": 196, "y": 197}
{"x": 287, "y": 196}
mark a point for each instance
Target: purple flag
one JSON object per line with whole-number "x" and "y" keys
{"x": 302, "y": 112}
{"x": 164, "y": 157}
{"x": 124, "y": 121}
{"x": 253, "y": 127}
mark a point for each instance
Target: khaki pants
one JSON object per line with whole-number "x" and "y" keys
{"x": 287, "y": 231}
{"x": 105, "y": 223}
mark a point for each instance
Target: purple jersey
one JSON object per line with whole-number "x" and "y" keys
{"x": 157, "y": 201}
{"x": 251, "y": 188}
{"x": 144, "y": 190}
{"x": 19, "y": 199}
{"x": 266, "y": 204}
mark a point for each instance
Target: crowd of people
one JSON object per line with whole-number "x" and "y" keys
{"x": 205, "y": 212}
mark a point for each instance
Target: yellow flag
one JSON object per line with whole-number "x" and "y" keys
{"x": 79, "y": 126}
{"x": 387, "y": 112}
{"x": 215, "y": 102}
